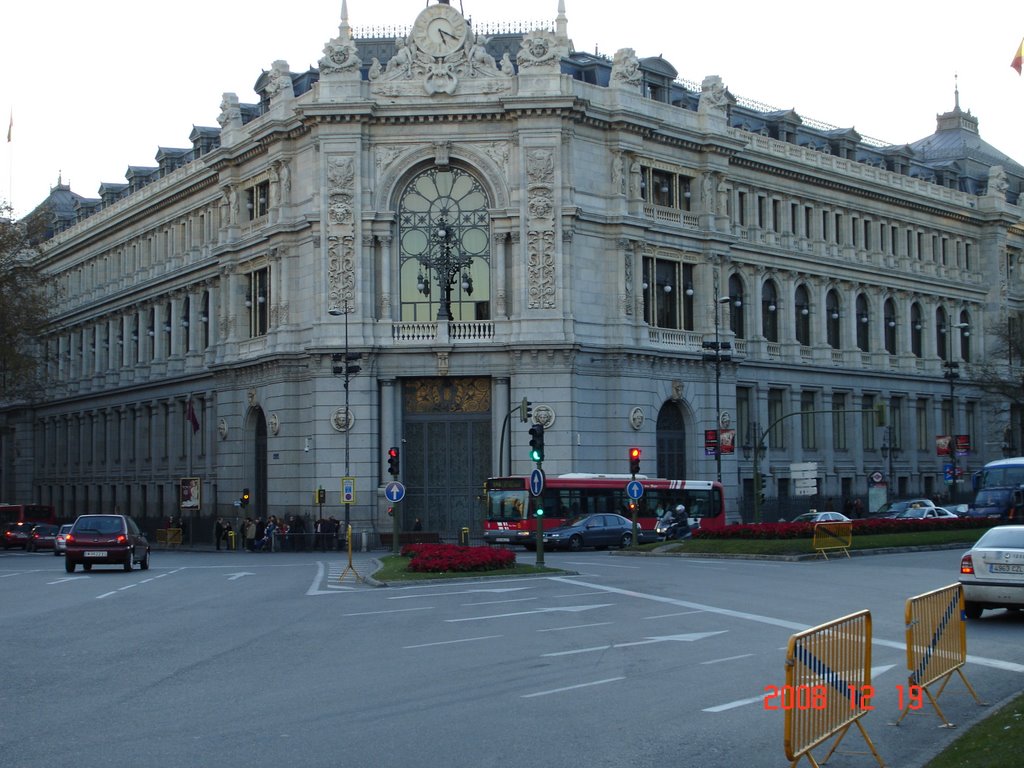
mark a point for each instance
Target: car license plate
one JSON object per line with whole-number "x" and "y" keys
{"x": 95, "y": 554}
{"x": 503, "y": 540}
{"x": 1007, "y": 568}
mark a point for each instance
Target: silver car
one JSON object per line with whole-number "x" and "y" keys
{"x": 992, "y": 572}
{"x": 60, "y": 544}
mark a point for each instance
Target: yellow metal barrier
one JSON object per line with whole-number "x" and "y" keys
{"x": 828, "y": 685}
{"x": 936, "y": 645}
{"x": 832, "y": 536}
{"x": 168, "y": 536}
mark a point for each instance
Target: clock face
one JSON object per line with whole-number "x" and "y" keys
{"x": 439, "y": 30}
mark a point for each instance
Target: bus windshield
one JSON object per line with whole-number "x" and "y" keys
{"x": 1003, "y": 476}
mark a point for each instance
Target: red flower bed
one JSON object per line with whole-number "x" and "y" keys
{"x": 862, "y": 527}
{"x": 443, "y": 558}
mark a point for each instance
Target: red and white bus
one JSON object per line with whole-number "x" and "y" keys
{"x": 511, "y": 509}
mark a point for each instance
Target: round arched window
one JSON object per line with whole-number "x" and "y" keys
{"x": 444, "y": 247}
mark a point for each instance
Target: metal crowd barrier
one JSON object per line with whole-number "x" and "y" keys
{"x": 828, "y": 670}
{"x": 168, "y": 536}
{"x": 936, "y": 643}
{"x": 833, "y": 536}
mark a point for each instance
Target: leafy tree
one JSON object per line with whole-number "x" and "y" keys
{"x": 23, "y": 305}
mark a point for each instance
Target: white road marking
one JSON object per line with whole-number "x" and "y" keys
{"x": 576, "y": 626}
{"x": 571, "y": 687}
{"x": 500, "y": 602}
{"x": 648, "y": 641}
{"x": 396, "y": 610}
{"x": 728, "y": 658}
{"x": 458, "y": 592}
{"x": 240, "y": 574}
{"x": 568, "y": 608}
{"x": 450, "y": 642}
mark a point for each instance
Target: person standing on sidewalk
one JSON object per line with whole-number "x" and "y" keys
{"x": 218, "y": 532}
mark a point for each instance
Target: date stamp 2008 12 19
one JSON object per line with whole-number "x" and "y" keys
{"x": 802, "y": 697}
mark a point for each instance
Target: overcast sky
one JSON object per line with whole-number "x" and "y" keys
{"x": 96, "y": 87}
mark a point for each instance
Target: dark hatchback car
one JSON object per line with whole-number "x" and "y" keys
{"x": 105, "y": 540}
{"x": 16, "y": 535}
{"x": 601, "y": 531}
{"x": 42, "y": 536}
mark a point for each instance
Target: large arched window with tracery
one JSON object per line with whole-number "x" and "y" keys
{"x": 444, "y": 246}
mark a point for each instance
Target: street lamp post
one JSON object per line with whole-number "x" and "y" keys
{"x": 348, "y": 367}
{"x": 717, "y": 358}
{"x": 952, "y": 374}
{"x": 446, "y": 263}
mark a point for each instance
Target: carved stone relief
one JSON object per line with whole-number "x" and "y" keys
{"x": 341, "y": 237}
{"x": 540, "y": 228}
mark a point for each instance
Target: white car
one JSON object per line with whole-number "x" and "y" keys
{"x": 925, "y": 513}
{"x": 821, "y": 517}
{"x": 60, "y": 545}
{"x": 992, "y": 571}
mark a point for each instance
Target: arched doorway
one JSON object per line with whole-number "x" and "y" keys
{"x": 671, "y": 441}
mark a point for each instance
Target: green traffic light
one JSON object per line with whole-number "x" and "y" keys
{"x": 540, "y": 513}
{"x": 535, "y": 455}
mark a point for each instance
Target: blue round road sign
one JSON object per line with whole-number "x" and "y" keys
{"x": 394, "y": 491}
{"x": 634, "y": 489}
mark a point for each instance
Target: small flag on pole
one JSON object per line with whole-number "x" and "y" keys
{"x": 1017, "y": 63}
{"x": 10, "y": 127}
{"x": 190, "y": 414}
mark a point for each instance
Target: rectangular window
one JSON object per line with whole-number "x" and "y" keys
{"x": 745, "y": 428}
{"x": 895, "y": 428}
{"x": 924, "y": 438}
{"x": 839, "y": 439}
{"x": 807, "y": 421}
{"x": 777, "y": 436}
{"x": 867, "y": 421}
{"x": 257, "y": 199}
{"x": 741, "y": 202}
{"x": 257, "y": 301}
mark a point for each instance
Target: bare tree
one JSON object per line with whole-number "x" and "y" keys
{"x": 23, "y": 308}
{"x": 1002, "y": 375}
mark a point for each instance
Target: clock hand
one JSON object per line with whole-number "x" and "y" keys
{"x": 445, "y": 34}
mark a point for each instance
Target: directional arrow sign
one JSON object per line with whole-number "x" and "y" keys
{"x": 394, "y": 491}
{"x": 236, "y": 576}
{"x": 536, "y": 482}
{"x": 634, "y": 489}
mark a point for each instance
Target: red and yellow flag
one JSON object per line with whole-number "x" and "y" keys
{"x": 1018, "y": 59}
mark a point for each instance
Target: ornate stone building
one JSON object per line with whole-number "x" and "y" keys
{"x": 397, "y": 247}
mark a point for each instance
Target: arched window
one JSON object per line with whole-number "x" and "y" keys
{"x": 863, "y": 324}
{"x": 832, "y": 321}
{"x": 890, "y": 327}
{"x": 769, "y": 311}
{"x": 802, "y": 315}
{"x": 444, "y": 247}
{"x": 736, "y": 307}
{"x": 916, "y": 328}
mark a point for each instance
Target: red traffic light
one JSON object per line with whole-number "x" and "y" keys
{"x": 634, "y": 460}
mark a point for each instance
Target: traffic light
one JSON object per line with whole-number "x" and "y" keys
{"x": 245, "y": 497}
{"x": 393, "y": 462}
{"x": 321, "y": 496}
{"x": 634, "y": 461}
{"x": 525, "y": 410}
{"x": 763, "y": 483}
{"x": 539, "y": 512}
{"x": 537, "y": 443}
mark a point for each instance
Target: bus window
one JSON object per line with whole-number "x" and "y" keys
{"x": 506, "y": 505}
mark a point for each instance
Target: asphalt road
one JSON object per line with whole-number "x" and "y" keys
{"x": 238, "y": 659}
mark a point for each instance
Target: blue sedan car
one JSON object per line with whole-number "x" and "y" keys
{"x": 599, "y": 531}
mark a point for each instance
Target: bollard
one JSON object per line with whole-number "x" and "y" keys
{"x": 365, "y": 546}
{"x": 464, "y": 537}
{"x": 231, "y": 540}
